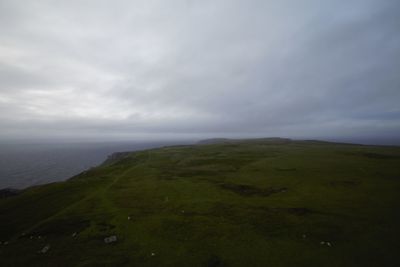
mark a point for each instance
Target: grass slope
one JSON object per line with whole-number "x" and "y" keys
{"x": 252, "y": 203}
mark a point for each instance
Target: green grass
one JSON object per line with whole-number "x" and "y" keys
{"x": 250, "y": 203}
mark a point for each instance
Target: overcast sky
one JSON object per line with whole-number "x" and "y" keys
{"x": 112, "y": 70}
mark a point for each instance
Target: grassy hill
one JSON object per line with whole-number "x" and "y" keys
{"x": 263, "y": 202}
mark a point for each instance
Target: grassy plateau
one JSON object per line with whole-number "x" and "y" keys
{"x": 262, "y": 202}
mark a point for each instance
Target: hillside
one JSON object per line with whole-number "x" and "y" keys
{"x": 264, "y": 202}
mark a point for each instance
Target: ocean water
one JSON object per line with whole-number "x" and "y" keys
{"x": 24, "y": 165}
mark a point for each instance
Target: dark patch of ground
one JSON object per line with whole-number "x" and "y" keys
{"x": 297, "y": 211}
{"x": 344, "y": 183}
{"x": 380, "y": 156}
{"x": 247, "y": 190}
{"x": 104, "y": 227}
{"x": 286, "y": 169}
{"x": 213, "y": 261}
{"x": 61, "y": 227}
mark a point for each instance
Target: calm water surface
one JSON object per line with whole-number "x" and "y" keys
{"x": 23, "y": 165}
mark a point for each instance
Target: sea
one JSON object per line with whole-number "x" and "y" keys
{"x": 25, "y": 165}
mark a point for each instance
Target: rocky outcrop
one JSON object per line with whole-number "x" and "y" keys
{"x": 114, "y": 157}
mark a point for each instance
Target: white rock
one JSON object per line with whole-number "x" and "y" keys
{"x": 74, "y": 234}
{"x": 110, "y": 239}
{"x": 322, "y": 243}
{"x": 153, "y": 254}
{"x": 45, "y": 249}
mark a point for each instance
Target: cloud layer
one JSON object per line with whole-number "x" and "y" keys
{"x": 154, "y": 69}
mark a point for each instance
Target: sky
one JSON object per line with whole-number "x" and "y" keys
{"x": 121, "y": 70}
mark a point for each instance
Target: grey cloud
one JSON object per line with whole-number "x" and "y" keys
{"x": 199, "y": 68}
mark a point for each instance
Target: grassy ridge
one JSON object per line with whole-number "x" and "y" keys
{"x": 253, "y": 203}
